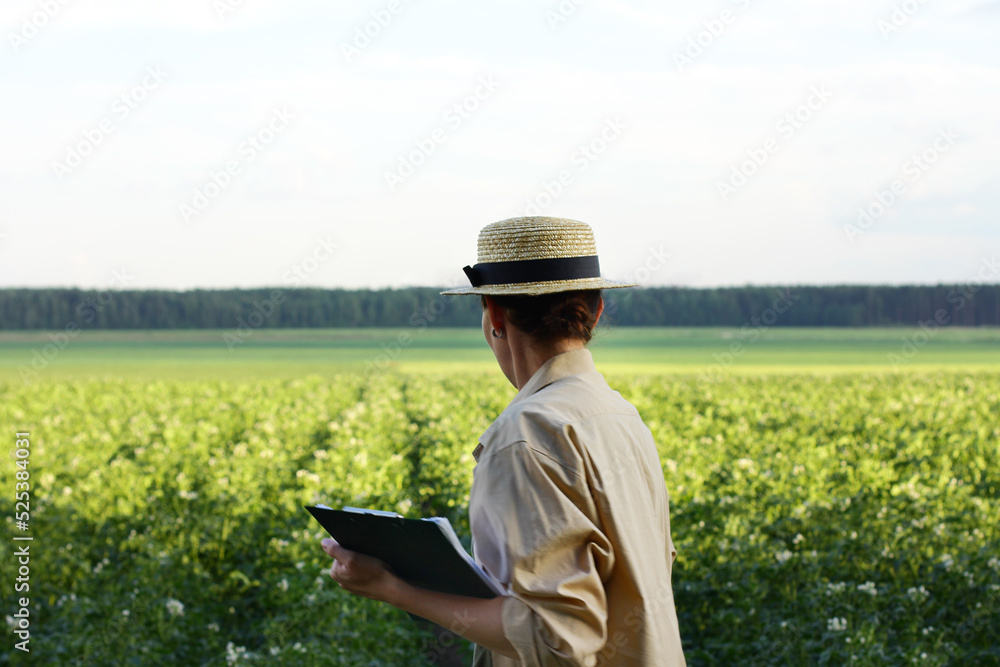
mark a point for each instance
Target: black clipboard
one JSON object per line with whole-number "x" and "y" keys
{"x": 423, "y": 552}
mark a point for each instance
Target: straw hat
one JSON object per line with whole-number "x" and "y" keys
{"x": 535, "y": 255}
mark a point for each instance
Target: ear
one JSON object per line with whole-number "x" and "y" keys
{"x": 498, "y": 318}
{"x": 600, "y": 309}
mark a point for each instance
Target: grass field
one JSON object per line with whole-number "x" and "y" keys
{"x": 826, "y": 508}
{"x": 299, "y": 352}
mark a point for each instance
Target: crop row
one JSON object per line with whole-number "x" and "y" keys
{"x": 818, "y": 519}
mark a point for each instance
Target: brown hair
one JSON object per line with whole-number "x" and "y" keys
{"x": 548, "y": 318}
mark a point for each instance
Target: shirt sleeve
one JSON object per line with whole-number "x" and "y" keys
{"x": 558, "y": 559}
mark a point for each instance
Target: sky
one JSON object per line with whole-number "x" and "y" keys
{"x": 246, "y": 143}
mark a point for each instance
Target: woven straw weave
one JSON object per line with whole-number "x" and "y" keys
{"x": 537, "y": 237}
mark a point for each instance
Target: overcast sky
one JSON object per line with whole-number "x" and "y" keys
{"x": 238, "y": 143}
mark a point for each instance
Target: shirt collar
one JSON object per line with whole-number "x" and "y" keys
{"x": 555, "y": 368}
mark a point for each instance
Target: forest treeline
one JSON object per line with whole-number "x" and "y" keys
{"x": 841, "y": 306}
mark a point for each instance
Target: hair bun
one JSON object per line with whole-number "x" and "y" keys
{"x": 549, "y": 318}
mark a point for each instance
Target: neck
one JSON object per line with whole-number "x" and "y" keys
{"x": 527, "y": 357}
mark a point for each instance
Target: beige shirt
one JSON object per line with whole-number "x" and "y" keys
{"x": 569, "y": 510}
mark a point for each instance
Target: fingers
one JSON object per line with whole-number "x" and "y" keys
{"x": 334, "y": 550}
{"x": 337, "y": 573}
{"x": 356, "y": 573}
{"x": 328, "y": 543}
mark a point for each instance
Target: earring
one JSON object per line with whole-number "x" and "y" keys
{"x": 498, "y": 335}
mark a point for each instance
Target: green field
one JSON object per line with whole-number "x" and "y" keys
{"x": 299, "y": 352}
{"x": 826, "y": 509}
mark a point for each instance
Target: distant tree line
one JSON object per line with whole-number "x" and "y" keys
{"x": 842, "y": 306}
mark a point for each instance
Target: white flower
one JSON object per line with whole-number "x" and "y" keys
{"x": 235, "y": 653}
{"x": 11, "y": 622}
{"x": 947, "y": 561}
{"x": 275, "y": 650}
{"x": 214, "y": 627}
{"x": 917, "y": 594}
{"x": 868, "y": 587}
{"x": 836, "y": 624}
{"x": 125, "y": 613}
{"x": 175, "y": 607}
{"x": 798, "y": 539}
{"x": 744, "y": 463}
{"x": 835, "y": 587}
{"x": 283, "y": 584}
{"x": 783, "y": 556}
{"x": 994, "y": 563}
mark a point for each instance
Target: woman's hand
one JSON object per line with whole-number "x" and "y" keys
{"x": 359, "y": 574}
{"x": 476, "y": 619}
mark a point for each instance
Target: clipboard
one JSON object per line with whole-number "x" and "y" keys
{"x": 423, "y": 552}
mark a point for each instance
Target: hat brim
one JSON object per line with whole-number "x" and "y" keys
{"x": 539, "y": 288}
